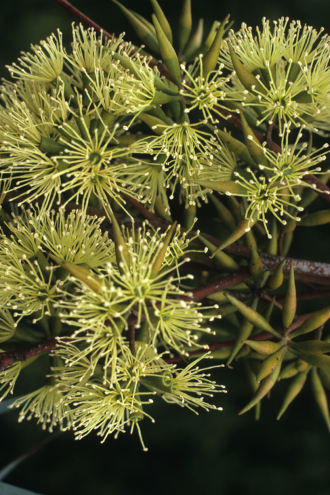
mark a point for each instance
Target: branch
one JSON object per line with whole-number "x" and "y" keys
{"x": 11, "y": 357}
{"x": 217, "y": 285}
{"x": 312, "y": 271}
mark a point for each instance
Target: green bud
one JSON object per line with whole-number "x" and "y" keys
{"x": 289, "y": 371}
{"x": 290, "y": 225}
{"x": 301, "y": 365}
{"x": 158, "y": 261}
{"x": 293, "y": 390}
{"x": 252, "y": 144}
{"x": 290, "y": 302}
{"x": 255, "y": 266}
{"x": 270, "y": 363}
{"x": 265, "y": 386}
{"x": 243, "y": 333}
{"x": 240, "y": 230}
{"x": 234, "y": 145}
{"x": 225, "y": 261}
{"x": 225, "y": 187}
{"x": 162, "y": 20}
{"x": 221, "y": 353}
{"x": 185, "y": 24}
{"x": 252, "y": 316}
{"x": 154, "y": 123}
{"x": 195, "y": 42}
{"x": 320, "y": 397}
{"x": 286, "y": 242}
{"x": 268, "y": 312}
{"x": 311, "y": 346}
{"x": 318, "y": 218}
{"x": 189, "y": 216}
{"x": 224, "y": 213}
{"x": 161, "y": 211}
{"x": 318, "y": 360}
{"x": 325, "y": 377}
{"x": 79, "y": 272}
{"x": 249, "y": 81}
{"x": 313, "y": 322}
{"x": 160, "y": 384}
{"x": 210, "y": 38}
{"x": 266, "y": 347}
{"x": 210, "y": 59}
{"x": 141, "y": 28}
{"x": 121, "y": 249}
{"x": 276, "y": 280}
{"x": 168, "y": 54}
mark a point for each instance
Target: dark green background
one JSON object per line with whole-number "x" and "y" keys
{"x": 215, "y": 453}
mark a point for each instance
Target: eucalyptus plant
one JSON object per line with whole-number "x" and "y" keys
{"x": 98, "y": 142}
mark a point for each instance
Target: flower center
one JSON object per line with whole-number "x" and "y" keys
{"x": 94, "y": 158}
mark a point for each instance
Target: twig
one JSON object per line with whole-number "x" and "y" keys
{"x": 89, "y": 22}
{"x": 217, "y": 285}
{"x": 11, "y": 357}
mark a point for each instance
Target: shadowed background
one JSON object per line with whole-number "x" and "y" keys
{"x": 215, "y": 453}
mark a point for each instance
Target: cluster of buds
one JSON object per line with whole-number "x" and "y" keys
{"x": 90, "y": 136}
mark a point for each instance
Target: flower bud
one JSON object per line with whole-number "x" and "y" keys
{"x": 293, "y": 390}
{"x": 265, "y": 386}
{"x": 160, "y": 255}
{"x": 252, "y": 316}
{"x": 252, "y": 144}
{"x": 195, "y": 42}
{"x": 185, "y": 24}
{"x": 290, "y": 301}
{"x": 255, "y": 266}
{"x": 142, "y": 29}
{"x": 79, "y": 272}
{"x": 270, "y": 363}
{"x": 162, "y": 20}
{"x": 224, "y": 213}
{"x": 249, "y": 81}
{"x": 317, "y": 218}
{"x": 313, "y": 322}
{"x": 210, "y": 58}
{"x": 243, "y": 333}
{"x": 276, "y": 280}
{"x": 168, "y": 54}
{"x": 264, "y": 346}
{"x": 320, "y": 396}
{"x": 225, "y": 261}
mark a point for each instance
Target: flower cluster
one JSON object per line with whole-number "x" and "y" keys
{"x": 89, "y": 137}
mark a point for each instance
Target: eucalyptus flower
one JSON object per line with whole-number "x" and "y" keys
{"x": 184, "y": 148}
{"x": 75, "y": 237}
{"x": 47, "y": 405}
{"x": 7, "y": 325}
{"x": 205, "y": 93}
{"x": 8, "y": 378}
{"x": 44, "y": 65}
{"x": 291, "y": 165}
{"x": 189, "y": 382}
{"x": 24, "y": 288}
{"x": 266, "y": 196}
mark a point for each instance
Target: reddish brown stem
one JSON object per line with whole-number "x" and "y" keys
{"x": 89, "y": 22}
{"x": 217, "y": 285}
{"x": 11, "y": 357}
